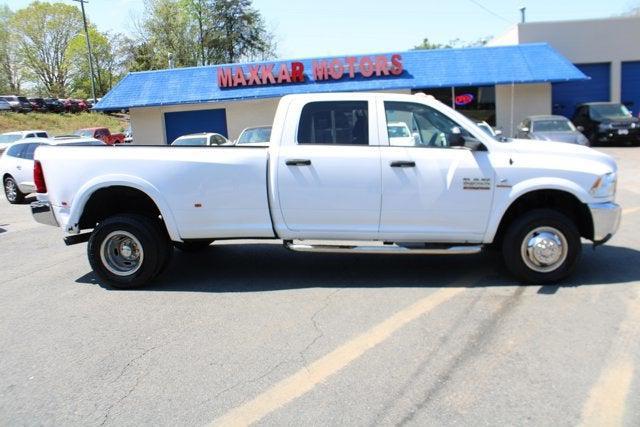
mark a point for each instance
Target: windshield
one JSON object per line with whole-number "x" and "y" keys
{"x": 8, "y": 139}
{"x": 249, "y": 136}
{"x": 398, "y": 131}
{"x": 609, "y": 111}
{"x": 202, "y": 140}
{"x": 552, "y": 125}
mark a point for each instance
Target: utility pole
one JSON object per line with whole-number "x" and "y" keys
{"x": 523, "y": 11}
{"x": 86, "y": 33}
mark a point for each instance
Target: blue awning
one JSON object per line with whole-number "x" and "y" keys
{"x": 481, "y": 66}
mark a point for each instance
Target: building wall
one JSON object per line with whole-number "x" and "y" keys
{"x": 612, "y": 40}
{"x": 148, "y": 128}
{"x": 528, "y": 99}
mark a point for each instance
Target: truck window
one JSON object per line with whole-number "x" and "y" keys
{"x": 418, "y": 125}
{"x": 334, "y": 122}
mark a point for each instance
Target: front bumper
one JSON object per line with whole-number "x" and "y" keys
{"x": 606, "y": 220}
{"x": 612, "y": 135}
{"x": 43, "y": 213}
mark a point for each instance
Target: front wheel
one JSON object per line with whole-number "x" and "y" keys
{"x": 542, "y": 246}
{"x": 12, "y": 192}
{"x": 127, "y": 251}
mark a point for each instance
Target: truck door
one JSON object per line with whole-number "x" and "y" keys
{"x": 431, "y": 191}
{"x": 328, "y": 171}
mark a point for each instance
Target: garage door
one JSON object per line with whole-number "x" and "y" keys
{"x": 185, "y": 122}
{"x": 631, "y": 86}
{"x": 565, "y": 96}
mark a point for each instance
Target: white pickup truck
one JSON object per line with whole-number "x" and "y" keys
{"x": 332, "y": 179}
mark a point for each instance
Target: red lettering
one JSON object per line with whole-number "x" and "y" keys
{"x": 351, "y": 64}
{"x": 283, "y": 75}
{"x": 336, "y": 69}
{"x": 254, "y": 78}
{"x": 267, "y": 74}
{"x": 396, "y": 64}
{"x": 224, "y": 77}
{"x": 297, "y": 72}
{"x": 238, "y": 78}
{"x": 320, "y": 70}
{"x": 366, "y": 66}
{"x": 381, "y": 66}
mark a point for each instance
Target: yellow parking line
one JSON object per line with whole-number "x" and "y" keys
{"x": 310, "y": 376}
{"x": 605, "y": 405}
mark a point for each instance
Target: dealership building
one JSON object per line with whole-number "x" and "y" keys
{"x": 524, "y": 72}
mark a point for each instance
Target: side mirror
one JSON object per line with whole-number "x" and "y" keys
{"x": 524, "y": 129}
{"x": 580, "y": 128}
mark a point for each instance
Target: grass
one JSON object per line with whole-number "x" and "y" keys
{"x": 60, "y": 124}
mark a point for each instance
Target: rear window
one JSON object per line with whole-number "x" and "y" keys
{"x": 16, "y": 150}
{"x": 334, "y": 122}
{"x": 42, "y": 135}
{"x": 191, "y": 141}
{"x": 8, "y": 139}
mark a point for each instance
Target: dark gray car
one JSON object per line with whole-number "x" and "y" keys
{"x": 551, "y": 128}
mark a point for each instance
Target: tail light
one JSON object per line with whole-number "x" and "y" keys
{"x": 38, "y": 177}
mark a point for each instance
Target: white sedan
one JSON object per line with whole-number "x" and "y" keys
{"x": 16, "y": 164}
{"x": 9, "y": 138}
{"x": 200, "y": 139}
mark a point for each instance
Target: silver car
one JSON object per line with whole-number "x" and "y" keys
{"x": 551, "y": 128}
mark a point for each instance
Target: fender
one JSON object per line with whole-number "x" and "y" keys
{"x": 504, "y": 199}
{"x": 123, "y": 180}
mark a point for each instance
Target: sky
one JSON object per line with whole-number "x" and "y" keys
{"x": 310, "y": 28}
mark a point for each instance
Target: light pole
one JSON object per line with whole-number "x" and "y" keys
{"x": 86, "y": 33}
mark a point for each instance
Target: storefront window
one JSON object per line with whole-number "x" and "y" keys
{"x": 476, "y": 102}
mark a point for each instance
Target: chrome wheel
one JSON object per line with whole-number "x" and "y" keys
{"x": 10, "y": 189}
{"x": 121, "y": 253}
{"x": 544, "y": 249}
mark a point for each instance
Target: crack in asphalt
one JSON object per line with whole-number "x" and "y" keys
{"x": 316, "y": 326}
{"x": 475, "y": 344}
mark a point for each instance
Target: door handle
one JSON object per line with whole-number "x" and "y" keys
{"x": 298, "y": 162}
{"x": 402, "y": 164}
{"x": 19, "y": 167}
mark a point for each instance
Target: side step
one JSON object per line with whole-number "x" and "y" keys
{"x": 386, "y": 248}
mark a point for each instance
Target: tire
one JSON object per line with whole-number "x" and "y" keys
{"x": 193, "y": 245}
{"x": 12, "y": 192}
{"x": 544, "y": 227}
{"x": 138, "y": 235}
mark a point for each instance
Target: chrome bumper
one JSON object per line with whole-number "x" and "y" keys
{"x": 606, "y": 220}
{"x": 43, "y": 213}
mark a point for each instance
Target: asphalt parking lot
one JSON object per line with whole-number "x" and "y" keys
{"x": 241, "y": 334}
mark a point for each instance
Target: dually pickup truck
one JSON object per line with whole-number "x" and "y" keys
{"x": 334, "y": 178}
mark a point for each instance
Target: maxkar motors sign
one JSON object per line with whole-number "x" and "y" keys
{"x": 322, "y": 70}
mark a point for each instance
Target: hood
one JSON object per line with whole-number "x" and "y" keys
{"x": 571, "y": 137}
{"x": 572, "y": 152}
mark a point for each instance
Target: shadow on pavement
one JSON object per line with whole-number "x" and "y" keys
{"x": 268, "y": 267}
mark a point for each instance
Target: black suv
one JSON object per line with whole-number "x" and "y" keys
{"x": 607, "y": 122}
{"x": 53, "y": 105}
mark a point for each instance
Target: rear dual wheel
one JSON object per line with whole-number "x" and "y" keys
{"x": 128, "y": 251}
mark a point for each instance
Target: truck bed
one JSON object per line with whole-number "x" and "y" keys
{"x": 206, "y": 192}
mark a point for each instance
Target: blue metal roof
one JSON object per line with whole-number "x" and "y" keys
{"x": 482, "y": 66}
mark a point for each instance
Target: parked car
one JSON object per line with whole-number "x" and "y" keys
{"x": 550, "y": 128}
{"x": 496, "y": 133}
{"x": 103, "y": 134}
{"x": 54, "y": 105}
{"x": 19, "y": 104}
{"x": 83, "y": 105}
{"x": 16, "y": 164}
{"x": 205, "y": 138}
{"x": 4, "y": 106}
{"x": 325, "y": 177}
{"x": 607, "y": 122}
{"x": 400, "y": 134}
{"x": 259, "y": 135}
{"x": 70, "y": 105}
{"x": 128, "y": 135}
{"x": 37, "y": 104}
{"x": 9, "y": 138}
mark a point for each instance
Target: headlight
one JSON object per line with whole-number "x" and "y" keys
{"x": 605, "y": 185}
{"x": 633, "y": 125}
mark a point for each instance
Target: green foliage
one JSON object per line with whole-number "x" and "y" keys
{"x": 44, "y": 32}
{"x": 59, "y": 124}
{"x": 10, "y": 72}
{"x": 455, "y": 43}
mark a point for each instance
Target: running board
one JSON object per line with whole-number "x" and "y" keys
{"x": 384, "y": 249}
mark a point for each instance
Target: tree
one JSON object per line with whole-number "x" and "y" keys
{"x": 10, "y": 67}
{"x": 241, "y": 33}
{"x": 44, "y": 32}
{"x": 455, "y": 43}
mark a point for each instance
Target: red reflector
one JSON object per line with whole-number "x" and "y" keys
{"x": 38, "y": 177}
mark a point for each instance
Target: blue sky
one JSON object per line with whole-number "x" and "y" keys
{"x": 307, "y": 28}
